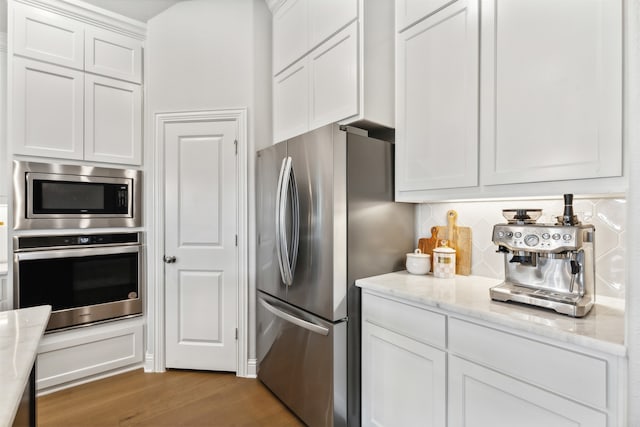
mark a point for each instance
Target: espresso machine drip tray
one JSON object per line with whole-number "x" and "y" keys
{"x": 565, "y": 303}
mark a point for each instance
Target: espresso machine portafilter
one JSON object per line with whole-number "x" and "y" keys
{"x": 547, "y": 265}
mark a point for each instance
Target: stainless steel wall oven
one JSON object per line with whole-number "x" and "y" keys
{"x": 56, "y": 196}
{"x": 86, "y": 278}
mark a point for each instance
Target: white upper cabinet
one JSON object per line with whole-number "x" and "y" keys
{"x": 112, "y": 128}
{"x": 48, "y": 109}
{"x": 50, "y": 37}
{"x": 47, "y": 36}
{"x": 499, "y": 98}
{"x": 113, "y": 55}
{"x": 437, "y": 100}
{"x": 291, "y": 101}
{"x": 290, "y": 37}
{"x": 348, "y": 64}
{"x": 326, "y": 17}
{"x": 409, "y": 12}
{"x": 76, "y": 87}
{"x": 334, "y": 78}
{"x": 301, "y": 25}
{"x": 552, "y": 99}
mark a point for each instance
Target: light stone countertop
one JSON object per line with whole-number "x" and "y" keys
{"x": 601, "y": 330}
{"x": 20, "y": 334}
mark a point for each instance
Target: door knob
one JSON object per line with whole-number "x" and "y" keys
{"x": 169, "y": 259}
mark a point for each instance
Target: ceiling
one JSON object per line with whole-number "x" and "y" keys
{"x": 140, "y": 10}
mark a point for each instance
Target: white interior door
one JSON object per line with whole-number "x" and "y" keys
{"x": 201, "y": 233}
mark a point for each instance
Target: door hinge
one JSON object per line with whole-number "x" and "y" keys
{"x": 236, "y": 144}
{"x": 236, "y": 240}
{"x": 236, "y": 333}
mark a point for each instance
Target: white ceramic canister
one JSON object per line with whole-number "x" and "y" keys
{"x": 418, "y": 263}
{"x": 444, "y": 261}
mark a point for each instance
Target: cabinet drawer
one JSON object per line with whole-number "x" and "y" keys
{"x": 571, "y": 374}
{"x": 422, "y": 325}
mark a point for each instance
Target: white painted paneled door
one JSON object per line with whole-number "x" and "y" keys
{"x": 201, "y": 223}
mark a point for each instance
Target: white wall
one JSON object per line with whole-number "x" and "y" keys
{"x": 632, "y": 133}
{"x": 207, "y": 55}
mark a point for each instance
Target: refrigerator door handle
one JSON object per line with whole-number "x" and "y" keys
{"x": 279, "y": 225}
{"x": 318, "y": 329}
{"x": 295, "y": 215}
{"x": 288, "y": 191}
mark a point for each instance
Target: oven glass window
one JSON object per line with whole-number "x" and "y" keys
{"x": 75, "y": 282}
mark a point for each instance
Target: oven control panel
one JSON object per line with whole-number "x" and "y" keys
{"x": 22, "y": 243}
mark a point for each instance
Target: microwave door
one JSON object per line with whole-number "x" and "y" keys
{"x": 52, "y": 196}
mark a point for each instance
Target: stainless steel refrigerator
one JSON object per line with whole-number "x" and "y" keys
{"x": 325, "y": 217}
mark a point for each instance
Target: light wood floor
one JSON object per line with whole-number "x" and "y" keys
{"x": 173, "y": 398}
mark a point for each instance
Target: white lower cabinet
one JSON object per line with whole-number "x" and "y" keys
{"x": 403, "y": 364}
{"x": 431, "y": 367}
{"x": 69, "y": 357}
{"x": 403, "y": 380}
{"x": 481, "y": 397}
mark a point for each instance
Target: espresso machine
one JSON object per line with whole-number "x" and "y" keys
{"x": 547, "y": 265}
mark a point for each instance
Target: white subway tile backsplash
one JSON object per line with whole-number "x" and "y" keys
{"x": 607, "y": 215}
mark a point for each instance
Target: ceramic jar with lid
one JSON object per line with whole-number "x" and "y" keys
{"x": 444, "y": 261}
{"x": 418, "y": 263}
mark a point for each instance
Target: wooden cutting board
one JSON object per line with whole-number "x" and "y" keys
{"x": 459, "y": 238}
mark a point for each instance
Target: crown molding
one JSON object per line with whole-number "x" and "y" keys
{"x": 92, "y": 15}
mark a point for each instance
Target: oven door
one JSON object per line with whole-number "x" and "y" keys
{"x": 82, "y": 285}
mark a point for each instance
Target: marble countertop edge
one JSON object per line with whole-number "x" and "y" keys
{"x": 20, "y": 334}
{"x": 601, "y": 330}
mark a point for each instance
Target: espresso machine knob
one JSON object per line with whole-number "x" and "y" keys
{"x": 531, "y": 240}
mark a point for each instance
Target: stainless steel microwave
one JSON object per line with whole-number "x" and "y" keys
{"x": 58, "y": 196}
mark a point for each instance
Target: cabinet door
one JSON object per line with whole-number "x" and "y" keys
{"x": 290, "y": 36}
{"x": 437, "y": 101}
{"x": 4, "y": 304}
{"x": 291, "y": 102}
{"x": 403, "y": 380}
{"x": 326, "y": 17}
{"x": 47, "y": 110}
{"x": 552, "y": 99}
{"x": 113, "y": 122}
{"x": 333, "y": 73}
{"x": 480, "y": 397}
{"x": 411, "y": 11}
{"x": 47, "y": 36}
{"x": 113, "y": 55}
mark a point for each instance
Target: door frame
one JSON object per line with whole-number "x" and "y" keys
{"x": 155, "y": 360}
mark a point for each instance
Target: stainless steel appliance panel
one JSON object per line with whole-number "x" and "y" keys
{"x": 85, "y": 278}
{"x": 268, "y": 166}
{"x": 319, "y": 280}
{"x": 349, "y": 227}
{"x": 25, "y": 218}
{"x": 379, "y": 234}
{"x": 303, "y": 361}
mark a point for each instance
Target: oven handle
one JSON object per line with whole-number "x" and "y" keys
{"x": 75, "y": 253}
